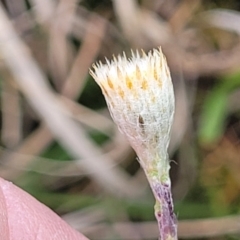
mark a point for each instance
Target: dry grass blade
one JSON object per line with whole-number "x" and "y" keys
{"x": 32, "y": 145}
{"x": 82, "y": 20}
{"x": 11, "y": 133}
{"x": 224, "y": 19}
{"x": 127, "y": 13}
{"x": 135, "y": 23}
{"x": 212, "y": 63}
{"x": 84, "y": 218}
{"x": 188, "y": 229}
{"x": 70, "y": 135}
{"x": 212, "y": 227}
{"x": 183, "y": 13}
{"x": 60, "y": 49}
{"x": 25, "y": 158}
{"x": 89, "y": 117}
{"x": 89, "y": 48}
{"x": 15, "y": 7}
{"x": 44, "y": 10}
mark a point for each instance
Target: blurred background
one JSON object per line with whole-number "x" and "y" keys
{"x": 59, "y": 143}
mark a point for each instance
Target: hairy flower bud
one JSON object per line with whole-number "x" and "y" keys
{"x": 140, "y": 97}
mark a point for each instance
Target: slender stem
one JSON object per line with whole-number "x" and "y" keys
{"x": 164, "y": 214}
{"x": 164, "y": 209}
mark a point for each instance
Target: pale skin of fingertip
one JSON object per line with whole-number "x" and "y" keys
{"x": 22, "y": 217}
{"x": 4, "y": 230}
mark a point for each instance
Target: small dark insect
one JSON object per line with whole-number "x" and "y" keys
{"x": 141, "y": 122}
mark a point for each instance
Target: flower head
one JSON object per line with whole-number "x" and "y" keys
{"x": 140, "y": 97}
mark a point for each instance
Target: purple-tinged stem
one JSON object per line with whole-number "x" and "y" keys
{"x": 167, "y": 221}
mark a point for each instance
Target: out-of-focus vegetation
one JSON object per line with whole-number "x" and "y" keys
{"x": 58, "y": 141}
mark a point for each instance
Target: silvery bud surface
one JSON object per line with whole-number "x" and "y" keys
{"x": 140, "y": 97}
